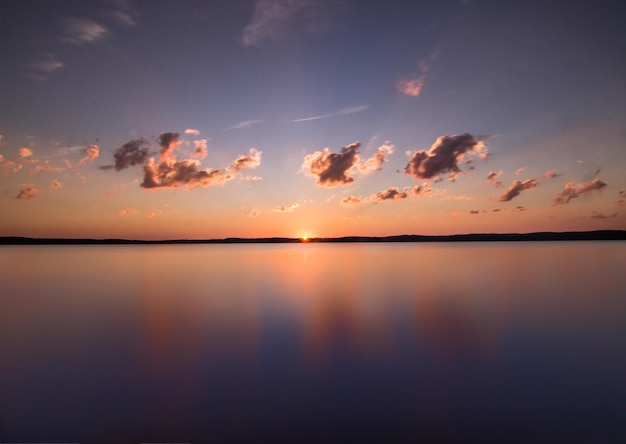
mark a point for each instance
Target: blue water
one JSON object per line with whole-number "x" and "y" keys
{"x": 463, "y": 342}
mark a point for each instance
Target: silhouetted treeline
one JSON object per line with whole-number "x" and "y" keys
{"x": 485, "y": 237}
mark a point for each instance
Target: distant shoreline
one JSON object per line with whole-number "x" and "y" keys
{"x": 485, "y": 237}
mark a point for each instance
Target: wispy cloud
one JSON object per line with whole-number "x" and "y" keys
{"x": 55, "y": 185}
{"x": 375, "y": 162}
{"x": 573, "y": 190}
{"x": 153, "y": 213}
{"x": 413, "y": 87}
{"x": 351, "y": 201}
{"x": 128, "y": 212}
{"x": 122, "y": 12}
{"x": 251, "y": 212}
{"x": 79, "y": 31}
{"x": 91, "y": 153}
{"x": 43, "y": 67}
{"x": 245, "y": 124}
{"x": 444, "y": 156}
{"x": 516, "y": 188}
{"x": 286, "y": 208}
{"x": 597, "y": 215}
{"x": 271, "y": 18}
{"x": 193, "y": 132}
{"x": 341, "y": 112}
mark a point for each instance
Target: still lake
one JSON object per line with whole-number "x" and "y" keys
{"x": 420, "y": 342}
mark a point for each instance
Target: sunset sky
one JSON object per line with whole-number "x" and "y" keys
{"x": 254, "y": 118}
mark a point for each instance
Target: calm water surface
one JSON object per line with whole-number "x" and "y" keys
{"x": 463, "y": 342}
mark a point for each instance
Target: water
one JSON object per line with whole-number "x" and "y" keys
{"x": 457, "y": 342}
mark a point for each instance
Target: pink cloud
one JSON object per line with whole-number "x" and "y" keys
{"x": 516, "y": 188}
{"x": 128, "y": 212}
{"x": 573, "y": 190}
{"x": 491, "y": 177}
{"x": 375, "y": 162}
{"x": 27, "y": 191}
{"x": 200, "y": 148}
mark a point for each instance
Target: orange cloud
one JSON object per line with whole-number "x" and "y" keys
{"x": 286, "y": 208}
{"x": 351, "y": 201}
{"x": 128, "y": 212}
{"x": 375, "y": 162}
{"x": 200, "y": 148}
{"x": 27, "y": 191}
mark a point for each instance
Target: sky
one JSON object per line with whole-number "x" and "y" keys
{"x": 320, "y": 118}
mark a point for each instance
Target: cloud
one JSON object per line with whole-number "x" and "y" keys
{"x": 413, "y": 87}
{"x": 519, "y": 171}
{"x": 270, "y": 19}
{"x": 392, "y": 193}
{"x": 123, "y": 12}
{"x": 286, "y": 208}
{"x": 128, "y": 212}
{"x": 596, "y": 215}
{"x": 491, "y": 177}
{"x": 251, "y": 212}
{"x": 79, "y": 31}
{"x": 351, "y": 201}
{"x": 444, "y": 156}
{"x": 341, "y": 112}
{"x": 421, "y": 190}
{"x": 153, "y": 213}
{"x": 45, "y": 168}
{"x": 27, "y": 191}
{"x": 44, "y": 67}
{"x": 620, "y": 201}
{"x": 573, "y": 190}
{"x": 25, "y": 153}
{"x": 91, "y": 153}
{"x": 516, "y": 188}
{"x": 251, "y": 160}
{"x": 168, "y": 143}
{"x": 551, "y": 174}
{"x": 134, "y": 152}
{"x": 375, "y": 162}
{"x": 200, "y": 148}
{"x": 10, "y": 165}
{"x": 193, "y": 132}
{"x": 245, "y": 124}
{"x": 473, "y": 212}
{"x": 171, "y": 173}
{"x": 331, "y": 169}
{"x": 55, "y": 185}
